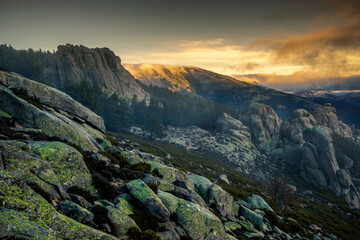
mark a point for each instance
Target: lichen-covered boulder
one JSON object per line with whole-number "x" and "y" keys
{"x": 201, "y": 184}
{"x": 75, "y": 211}
{"x": 258, "y": 202}
{"x": 25, "y": 213}
{"x": 32, "y": 169}
{"x": 52, "y": 96}
{"x": 172, "y": 175}
{"x": 119, "y": 221}
{"x": 149, "y": 199}
{"x": 198, "y": 222}
{"x": 253, "y": 217}
{"x": 67, "y": 163}
{"x": 50, "y": 122}
{"x": 221, "y": 199}
{"x": 124, "y": 206}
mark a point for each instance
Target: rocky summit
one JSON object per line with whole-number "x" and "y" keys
{"x": 98, "y": 66}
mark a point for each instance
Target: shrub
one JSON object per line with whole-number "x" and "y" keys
{"x": 113, "y": 141}
{"x": 141, "y": 166}
{"x": 117, "y": 158}
{"x": 135, "y": 233}
{"x": 22, "y": 93}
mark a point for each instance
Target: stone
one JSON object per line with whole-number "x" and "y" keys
{"x": 75, "y": 211}
{"x": 344, "y": 178}
{"x": 49, "y": 122}
{"x": 119, "y": 222}
{"x": 201, "y": 184}
{"x": 321, "y": 139}
{"x": 54, "y": 97}
{"x": 197, "y": 221}
{"x": 221, "y": 199}
{"x": 31, "y": 169}
{"x": 264, "y": 122}
{"x": 124, "y": 206}
{"x": 253, "y": 217}
{"x": 224, "y": 178}
{"x": 25, "y": 213}
{"x": 172, "y": 175}
{"x": 347, "y": 163}
{"x": 149, "y": 199}
{"x": 67, "y": 163}
{"x": 79, "y": 200}
{"x": 258, "y": 202}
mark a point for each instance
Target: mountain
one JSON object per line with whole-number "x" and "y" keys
{"x": 72, "y": 64}
{"x": 62, "y": 177}
{"x": 218, "y": 88}
{"x": 233, "y": 92}
{"x": 347, "y": 97}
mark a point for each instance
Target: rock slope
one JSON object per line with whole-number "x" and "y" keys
{"x": 56, "y": 186}
{"x": 96, "y": 65}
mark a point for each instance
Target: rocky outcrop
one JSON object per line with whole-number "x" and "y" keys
{"x": 326, "y": 117}
{"x": 48, "y": 121}
{"x": 51, "y": 97}
{"x": 307, "y": 144}
{"x": 146, "y": 196}
{"x": 98, "y": 66}
{"x": 232, "y": 126}
{"x": 198, "y": 222}
{"x": 234, "y": 145}
{"x": 264, "y": 123}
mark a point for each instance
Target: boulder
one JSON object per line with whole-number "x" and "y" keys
{"x": 80, "y": 200}
{"x": 119, "y": 222}
{"x": 49, "y": 122}
{"x": 201, "y": 184}
{"x": 198, "y": 222}
{"x": 124, "y": 206}
{"x": 326, "y": 117}
{"x": 258, "y": 202}
{"x": 324, "y": 152}
{"x": 221, "y": 200}
{"x": 149, "y": 199}
{"x": 67, "y": 163}
{"x": 264, "y": 123}
{"x": 253, "y": 217}
{"x": 32, "y": 169}
{"x": 52, "y": 97}
{"x": 75, "y": 211}
{"x": 25, "y": 213}
{"x": 347, "y": 162}
{"x": 172, "y": 175}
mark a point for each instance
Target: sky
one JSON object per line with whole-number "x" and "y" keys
{"x": 284, "y": 44}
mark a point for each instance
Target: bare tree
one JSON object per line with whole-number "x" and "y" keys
{"x": 280, "y": 190}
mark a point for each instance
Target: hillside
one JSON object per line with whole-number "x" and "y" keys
{"x": 64, "y": 178}
{"x": 219, "y": 88}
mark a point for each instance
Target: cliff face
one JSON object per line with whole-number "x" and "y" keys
{"x": 96, "y": 65}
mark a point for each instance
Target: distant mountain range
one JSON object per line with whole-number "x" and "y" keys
{"x": 233, "y": 92}
{"x": 347, "y": 97}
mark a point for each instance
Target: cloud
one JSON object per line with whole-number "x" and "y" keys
{"x": 218, "y": 55}
{"x": 328, "y": 53}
